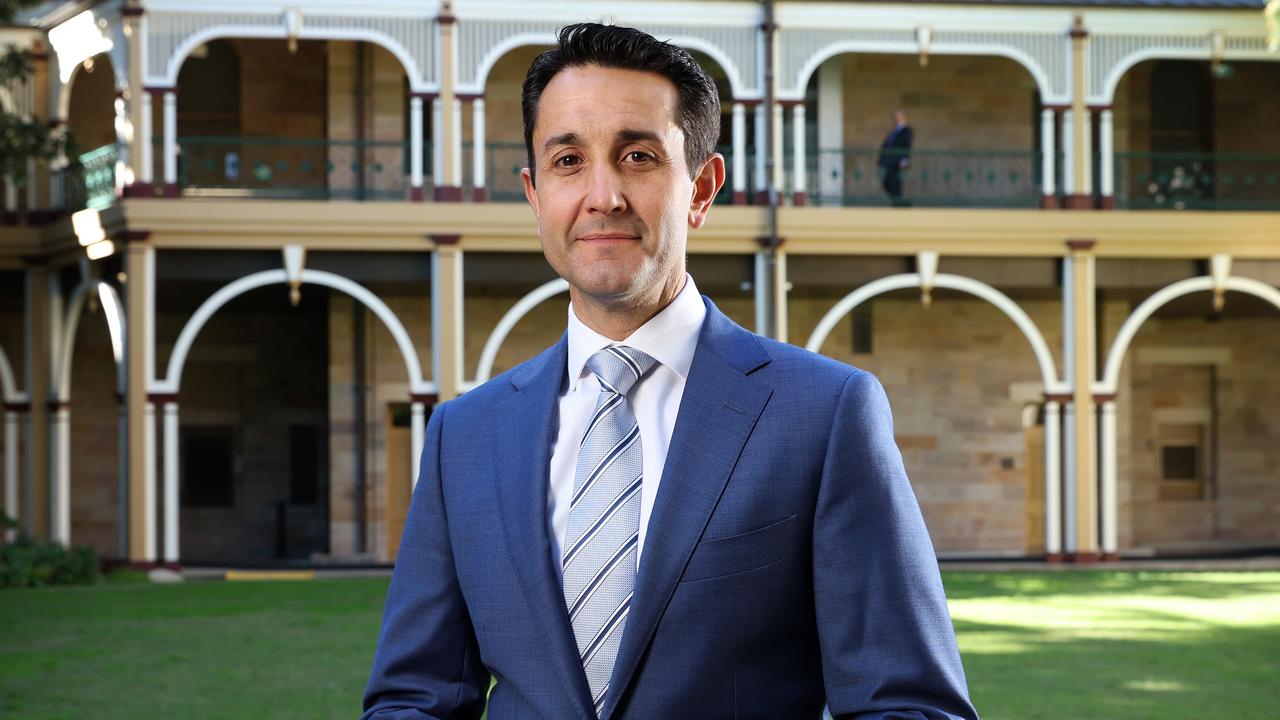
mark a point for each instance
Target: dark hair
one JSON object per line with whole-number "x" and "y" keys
{"x": 609, "y": 46}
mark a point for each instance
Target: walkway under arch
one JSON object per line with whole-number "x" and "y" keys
{"x": 1048, "y": 370}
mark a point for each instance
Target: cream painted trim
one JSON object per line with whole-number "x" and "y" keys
{"x": 1044, "y": 358}
{"x": 1115, "y": 358}
{"x": 7, "y": 384}
{"x": 1106, "y": 95}
{"x": 522, "y": 307}
{"x": 113, "y": 309}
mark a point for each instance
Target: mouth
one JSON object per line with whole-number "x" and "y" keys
{"x": 608, "y": 237}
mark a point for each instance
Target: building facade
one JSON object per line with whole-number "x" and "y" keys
{"x": 290, "y": 229}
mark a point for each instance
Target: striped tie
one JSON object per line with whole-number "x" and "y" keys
{"x": 601, "y": 540}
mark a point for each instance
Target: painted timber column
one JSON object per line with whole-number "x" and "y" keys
{"x": 13, "y": 413}
{"x": 1080, "y": 193}
{"x": 799, "y": 174}
{"x": 437, "y": 146}
{"x": 122, "y": 473}
{"x": 39, "y": 370}
{"x": 479, "y": 183}
{"x": 1052, "y": 479}
{"x": 762, "y": 179}
{"x": 140, "y": 358}
{"x": 171, "y": 512}
{"x": 775, "y": 283}
{"x": 448, "y": 187}
{"x": 1106, "y": 158}
{"x": 1083, "y": 330}
{"x": 447, "y": 331}
{"x": 778, "y": 154}
{"x": 416, "y": 193}
{"x": 1108, "y": 483}
{"x": 417, "y": 429}
{"x": 137, "y": 102}
{"x": 171, "y": 142}
{"x": 1048, "y": 159}
{"x": 60, "y": 477}
{"x": 739, "y": 159}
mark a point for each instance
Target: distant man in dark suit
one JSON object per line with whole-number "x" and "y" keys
{"x": 662, "y": 516}
{"x": 895, "y": 157}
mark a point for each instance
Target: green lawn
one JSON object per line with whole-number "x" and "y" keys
{"x": 1086, "y": 645}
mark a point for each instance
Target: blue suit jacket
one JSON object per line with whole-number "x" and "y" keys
{"x": 787, "y": 563}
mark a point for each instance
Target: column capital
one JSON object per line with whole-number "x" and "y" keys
{"x": 1081, "y": 245}
{"x": 444, "y": 239}
{"x": 1060, "y": 398}
{"x": 468, "y": 97}
{"x": 1103, "y": 398}
{"x": 764, "y": 241}
{"x": 162, "y": 398}
{"x": 424, "y": 398}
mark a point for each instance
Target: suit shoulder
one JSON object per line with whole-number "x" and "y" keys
{"x": 796, "y": 364}
{"x": 486, "y": 397}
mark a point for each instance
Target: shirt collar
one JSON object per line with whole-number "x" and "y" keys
{"x": 670, "y": 337}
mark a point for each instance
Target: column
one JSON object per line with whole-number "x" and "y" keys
{"x": 739, "y": 160}
{"x": 146, "y": 163}
{"x": 11, "y": 435}
{"x": 762, "y": 181}
{"x": 447, "y": 330}
{"x": 1106, "y": 158}
{"x": 780, "y": 288}
{"x": 449, "y": 187}
{"x": 416, "y": 193}
{"x": 479, "y": 183}
{"x": 171, "y": 142}
{"x": 1079, "y": 194}
{"x": 1048, "y": 159}
{"x": 1083, "y": 330}
{"x": 437, "y": 147}
{"x": 831, "y": 133}
{"x": 799, "y": 174}
{"x": 417, "y": 429}
{"x": 762, "y": 282}
{"x": 1068, "y": 495}
{"x": 38, "y": 370}
{"x": 778, "y": 154}
{"x": 1069, "y": 189}
{"x": 1052, "y": 480}
{"x": 140, "y": 298}
{"x": 60, "y": 477}
{"x": 171, "y": 513}
{"x": 1108, "y": 485}
{"x": 10, "y": 197}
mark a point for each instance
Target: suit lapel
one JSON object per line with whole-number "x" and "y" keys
{"x": 718, "y": 394}
{"x": 526, "y": 429}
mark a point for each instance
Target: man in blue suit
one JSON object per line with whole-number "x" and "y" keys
{"x": 662, "y": 516}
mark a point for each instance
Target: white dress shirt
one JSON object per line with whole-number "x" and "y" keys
{"x": 670, "y": 337}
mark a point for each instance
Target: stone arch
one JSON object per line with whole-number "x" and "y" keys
{"x": 114, "y": 313}
{"x": 535, "y": 297}
{"x": 1120, "y": 346}
{"x": 826, "y": 52}
{"x": 177, "y": 359}
{"x": 416, "y": 82}
{"x": 1040, "y": 348}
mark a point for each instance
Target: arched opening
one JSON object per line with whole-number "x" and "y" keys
{"x": 1193, "y": 460}
{"x": 91, "y": 113}
{"x": 1186, "y": 135}
{"x": 965, "y": 384}
{"x": 975, "y": 131}
{"x": 326, "y": 120}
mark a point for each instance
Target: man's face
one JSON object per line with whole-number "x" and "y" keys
{"x": 614, "y": 199}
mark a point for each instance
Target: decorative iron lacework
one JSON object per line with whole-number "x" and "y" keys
{"x": 479, "y": 40}
{"x": 167, "y": 32}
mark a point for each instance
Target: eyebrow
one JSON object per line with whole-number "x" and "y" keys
{"x": 624, "y": 135}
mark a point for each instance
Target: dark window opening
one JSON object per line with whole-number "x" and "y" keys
{"x": 207, "y": 467}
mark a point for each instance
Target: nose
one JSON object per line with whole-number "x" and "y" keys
{"x": 604, "y": 190}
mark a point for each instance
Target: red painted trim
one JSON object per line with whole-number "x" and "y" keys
{"x": 1078, "y": 201}
{"x": 425, "y": 96}
{"x": 448, "y": 193}
{"x": 1104, "y": 397}
{"x": 799, "y": 199}
{"x": 1057, "y": 108}
{"x": 468, "y": 97}
{"x": 1110, "y": 557}
{"x": 1058, "y": 397}
{"x": 739, "y": 197}
{"x": 1048, "y": 202}
{"x": 417, "y": 194}
{"x": 160, "y": 89}
{"x": 18, "y": 407}
{"x": 479, "y": 194}
{"x": 1108, "y": 202}
{"x": 1083, "y": 558}
{"x": 763, "y": 241}
{"x": 762, "y": 198}
{"x": 749, "y": 103}
{"x": 1099, "y": 108}
{"x": 132, "y": 11}
{"x": 426, "y": 398}
{"x": 161, "y": 398}
{"x": 445, "y": 239}
{"x": 446, "y": 19}
{"x": 171, "y": 190}
{"x": 790, "y": 103}
{"x": 1081, "y": 243}
{"x": 56, "y": 405}
{"x": 1053, "y": 558}
{"x": 131, "y": 236}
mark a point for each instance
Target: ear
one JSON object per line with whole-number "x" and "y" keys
{"x": 706, "y": 184}
{"x": 530, "y": 193}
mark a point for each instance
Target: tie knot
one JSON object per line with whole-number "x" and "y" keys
{"x": 619, "y": 367}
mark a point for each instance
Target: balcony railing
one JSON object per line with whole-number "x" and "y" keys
{"x": 313, "y": 169}
{"x": 89, "y": 181}
{"x": 1197, "y": 181}
{"x": 932, "y": 178}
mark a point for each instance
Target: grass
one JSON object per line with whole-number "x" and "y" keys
{"x": 1061, "y": 645}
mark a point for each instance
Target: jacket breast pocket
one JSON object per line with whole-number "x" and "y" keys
{"x": 716, "y": 557}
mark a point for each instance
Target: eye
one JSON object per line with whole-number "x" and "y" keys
{"x": 566, "y": 161}
{"x": 638, "y": 156}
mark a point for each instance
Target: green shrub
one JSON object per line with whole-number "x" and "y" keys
{"x": 32, "y": 562}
